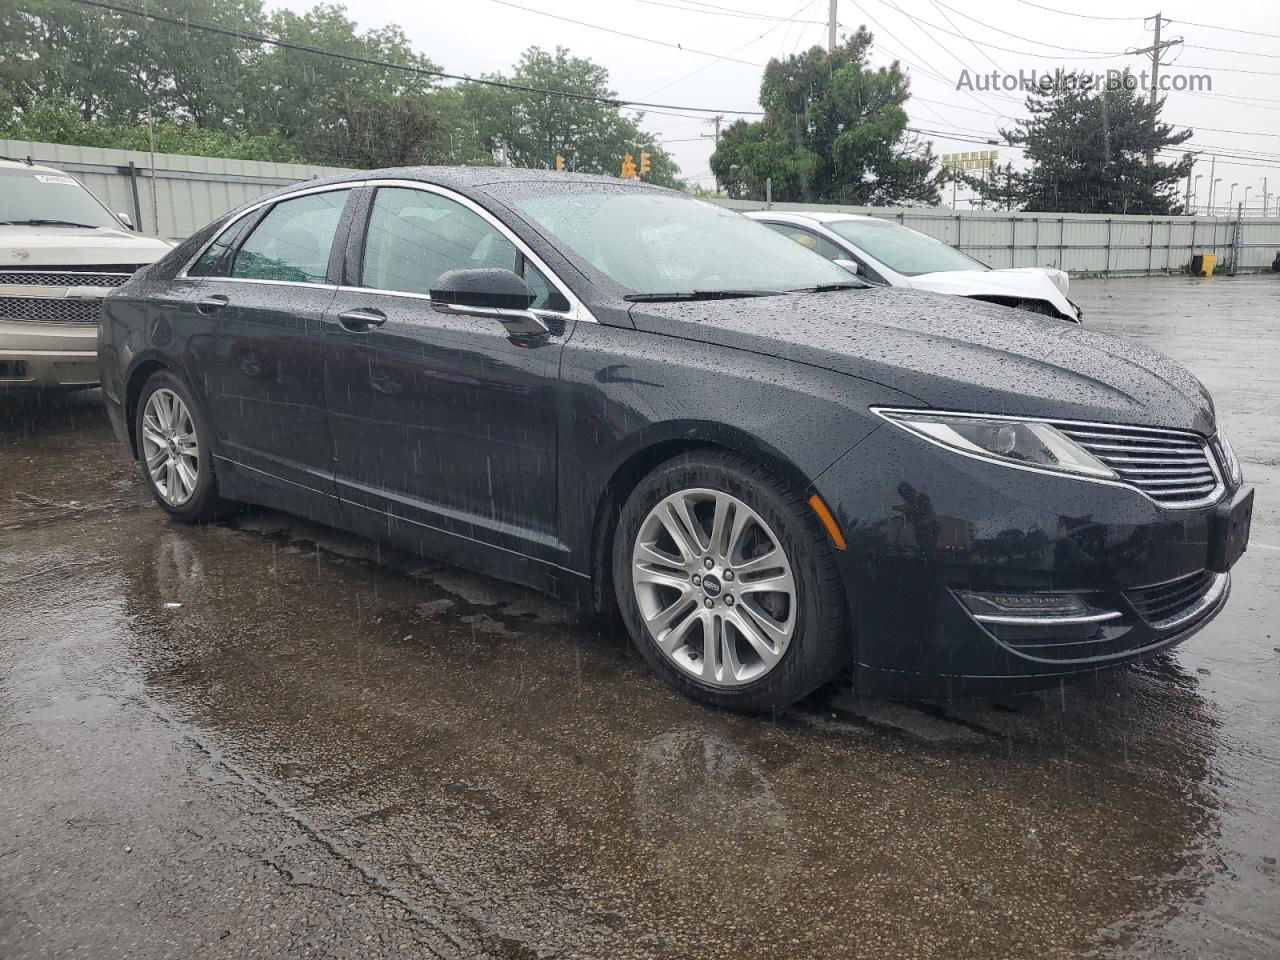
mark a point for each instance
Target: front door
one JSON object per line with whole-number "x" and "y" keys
{"x": 443, "y": 427}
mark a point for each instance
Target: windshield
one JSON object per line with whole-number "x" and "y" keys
{"x": 50, "y": 199}
{"x": 651, "y": 242}
{"x": 900, "y": 248}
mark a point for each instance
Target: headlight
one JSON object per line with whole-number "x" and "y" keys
{"x": 1230, "y": 463}
{"x": 1028, "y": 443}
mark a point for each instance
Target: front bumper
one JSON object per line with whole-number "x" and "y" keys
{"x": 925, "y": 528}
{"x": 47, "y": 354}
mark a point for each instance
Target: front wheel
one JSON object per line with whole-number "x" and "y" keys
{"x": 727, "y": 584}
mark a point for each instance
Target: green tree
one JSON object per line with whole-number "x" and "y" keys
{"x": 1000, "y": 187}
{"x": 532, "y": 128}
{"x": 62, "y": 123}
{"x": 335, "y": 109}
{"x": 1088, "y": 150}
{"x": 834, "y": 131}
{"x": 50, "y": 50}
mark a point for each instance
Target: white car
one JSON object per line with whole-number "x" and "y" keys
{"x": 882, "y": 251}
{"x": 61, "y": 252}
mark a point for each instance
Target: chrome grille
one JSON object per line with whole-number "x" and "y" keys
{"x": 1170, "y": 466}
{"x": 50, "y": 309}
{"x": 111, "y": 275}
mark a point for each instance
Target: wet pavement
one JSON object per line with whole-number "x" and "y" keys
{"x": 264, "y": 739}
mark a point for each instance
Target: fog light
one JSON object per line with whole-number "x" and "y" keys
{"x": 1033, "y": 608}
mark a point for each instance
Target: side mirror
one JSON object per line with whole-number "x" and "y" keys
{"x": 126, "y": 220}
{"x": 851, "y": 265}
{"x": 488, "y": 292}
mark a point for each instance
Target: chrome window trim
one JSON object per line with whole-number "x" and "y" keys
{"x": 577, "y": 310}
{"x": 327, "y": 188}
{"x": 1213, "y": 496}
{"x": 270, "y": 283}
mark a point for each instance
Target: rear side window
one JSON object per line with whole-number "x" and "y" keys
{"x": 217, "y": 257}
{"x": 415, "y": 236}
{"x": 293, "y": 241}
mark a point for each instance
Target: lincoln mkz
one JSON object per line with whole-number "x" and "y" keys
{"x": 640, "y": 401}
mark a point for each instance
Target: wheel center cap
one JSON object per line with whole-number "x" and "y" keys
{"x": 711, "y": 585}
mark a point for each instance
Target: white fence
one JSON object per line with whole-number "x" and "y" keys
{"x": 172, "y": 195}
{"x": 1081, "y": 244}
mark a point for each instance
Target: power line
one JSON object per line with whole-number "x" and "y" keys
{"x": 1083, "y": 55}
{"x": 706, "y": 66}
{"x": 1214, "y": 26}
{"x": 403, "y": 67}
{"x": 947, "y": 17}
{"x": 1072, "y": 13}
{"x": 1239, "y": 53}
{"x": 1197, "y": 66}
{"x": 622, "y": 33}
{"x": 727, "y": 12}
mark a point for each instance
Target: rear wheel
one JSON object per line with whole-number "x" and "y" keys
{"x": 727, "y": 584}
{"x": 174, "y": 453}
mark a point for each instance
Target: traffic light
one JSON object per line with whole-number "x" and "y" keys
{"x": 644, "y": 162}
{"x": 628, "y": 167}
{"x": 560, "y": 163}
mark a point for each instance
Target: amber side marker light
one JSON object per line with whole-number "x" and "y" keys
{"x": 828, "y": 521}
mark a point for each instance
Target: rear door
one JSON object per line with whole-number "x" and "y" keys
{"x": 441, "y": 424}
{"x": 264, "y": 376}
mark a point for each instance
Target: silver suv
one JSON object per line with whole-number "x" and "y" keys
{"x": 61, "y": 252}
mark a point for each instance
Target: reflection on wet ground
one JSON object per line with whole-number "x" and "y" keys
{"x": 267, "y": 739}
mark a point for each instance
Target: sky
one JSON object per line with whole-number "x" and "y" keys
{"x": 711, "y": 53}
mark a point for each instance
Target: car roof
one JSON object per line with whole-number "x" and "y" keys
{"x": 818, "y": 216}
{"x": 8, "y": 163}
{"x": 463, "y": 178}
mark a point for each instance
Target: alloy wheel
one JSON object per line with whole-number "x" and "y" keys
{"x": 714, "y": 586}
{"x": 170, "y": 447}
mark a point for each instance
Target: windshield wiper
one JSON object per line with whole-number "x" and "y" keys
{"x": 43, "y": 222}
{"x": 698, "y": 295}
{"x": 828, "y": 287}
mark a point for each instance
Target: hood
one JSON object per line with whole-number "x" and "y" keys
{"x": 23, "y": 246}
{"x": 1031, "y": 284}
{"x": 952, "y": 354}
{"x": 1058, "y": 278}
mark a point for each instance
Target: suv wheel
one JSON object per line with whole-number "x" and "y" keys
{"x": 727, "y": 583}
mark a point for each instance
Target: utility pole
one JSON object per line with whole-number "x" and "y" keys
{"x": 716, "y": 120}
{"x": 1187, "y": 205}
{"x": 1157, "y": 47}
{"x": 1213, "y": 168}
{"x": 831, "y": 26}
{"x": 1264, "y": 197}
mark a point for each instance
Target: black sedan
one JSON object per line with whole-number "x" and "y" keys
{"x": 631, "y": 398}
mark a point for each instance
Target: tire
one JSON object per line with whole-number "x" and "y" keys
{"x": 802, "y": 623}
{"x": 192, "y": 502}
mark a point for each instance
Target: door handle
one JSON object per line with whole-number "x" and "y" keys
{"x": 212, "y": 304}
{"x": 362, "y": 320}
